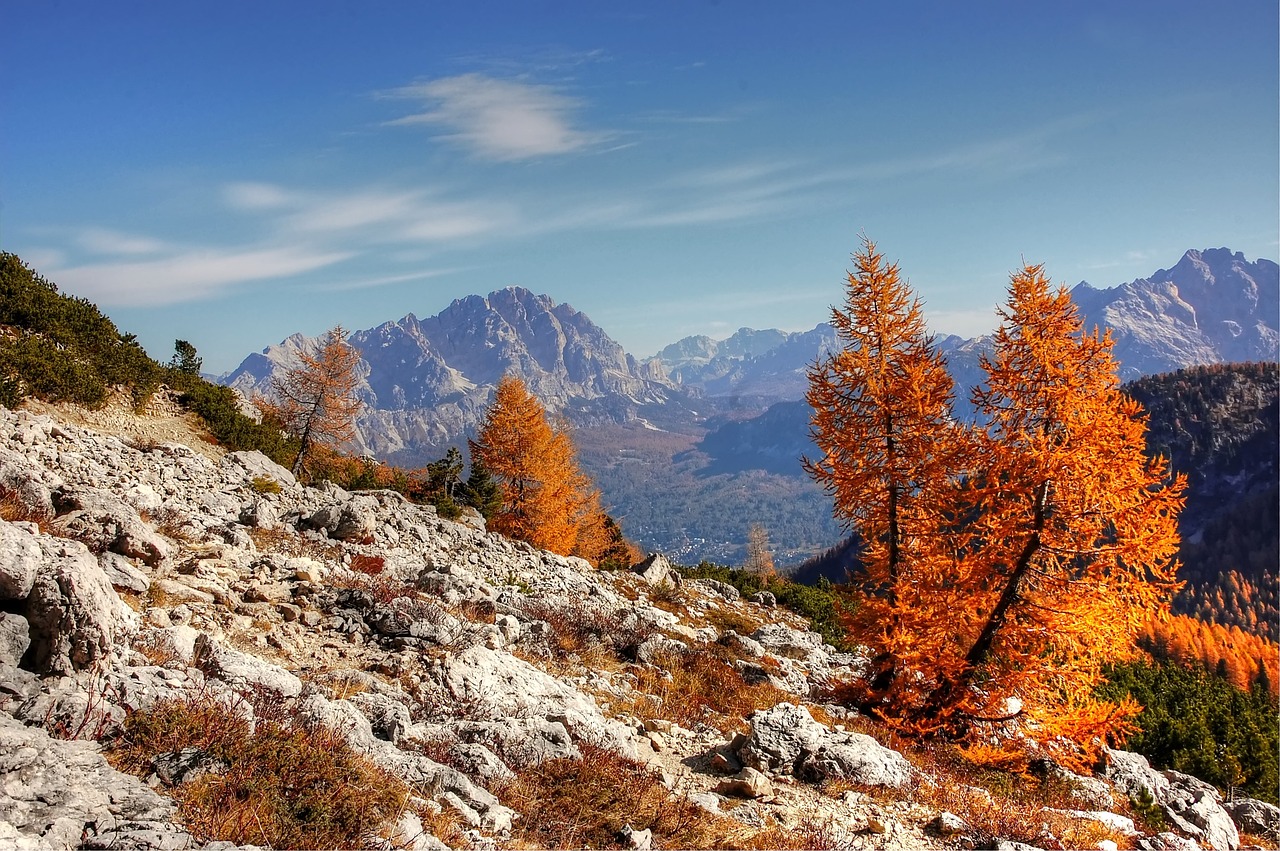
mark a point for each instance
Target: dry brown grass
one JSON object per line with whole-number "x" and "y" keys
{"x": 367, "y": 564}
{"x": 1253, "y": 840}
{"x": 569, "y": 803}
{"x": 381, "y": 587}
{"x": 444, "y": 824}
{"x": 288, "y": 542}
{"x": 14, "y": 510}
{"x": 287, "y": 785}
{"x": 703, "y": 687}
{"x": 725, "y": 619}
{"x": 587, "y": 637}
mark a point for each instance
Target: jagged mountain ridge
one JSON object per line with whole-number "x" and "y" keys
{"x": 426, "y": 382}
{"x": 1213, "y": 306}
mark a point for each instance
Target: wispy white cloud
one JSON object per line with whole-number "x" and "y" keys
{"x": 107, "y": 241}
{"x": 386, "y": 280}
{"x": 257, "y": 196}
{"x": 1127, "y": 260}
{"x": 499, "y": 119}
{"x": 371, "y": 214}
{"x": 188, "y": 276}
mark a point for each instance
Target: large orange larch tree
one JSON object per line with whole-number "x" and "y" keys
{"x": 1075, "y": 527}
{"x": 1008, "y": 561}
{"x": 547, "y": 500}
{"x": 890, "y": 453}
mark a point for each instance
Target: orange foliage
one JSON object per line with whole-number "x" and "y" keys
{"x": 1006, "y": 563}
{"x": 890, "y": 453}
{"x": 546, "y": 500}
{"x": 315, "y": 401}
{"x": 1240, "y": 656}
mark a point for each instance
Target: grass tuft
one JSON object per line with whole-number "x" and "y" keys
{"x": 570, "y": 803}
{"x": 287, "y": 785}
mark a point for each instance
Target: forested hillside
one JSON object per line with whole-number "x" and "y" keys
{"x": 1220, "y": 425}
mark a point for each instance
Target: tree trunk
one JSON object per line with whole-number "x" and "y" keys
{"x": 949, "y": 690}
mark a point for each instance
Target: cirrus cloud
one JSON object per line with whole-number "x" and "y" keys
{"x": 498, "y": 119}
{"x": 188, "y": 276}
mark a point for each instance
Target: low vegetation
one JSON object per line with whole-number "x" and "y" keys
{"x": 586, "y": 803}
{"x": 61, "y": 348}
{"x": 820, "y": 603}
{"x": 272, "y": 782}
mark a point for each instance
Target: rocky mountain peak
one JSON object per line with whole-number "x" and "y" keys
{"x": 426, "y": 382}
{"x": 1212, "y": 306}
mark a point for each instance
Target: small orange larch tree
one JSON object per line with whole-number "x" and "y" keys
{"x": 316, "y": 400}
{"x": 759, "y": 559}
{"x": 547, "y": 500}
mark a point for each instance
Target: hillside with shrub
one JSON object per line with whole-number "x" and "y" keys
{"x": 60, "y": 348}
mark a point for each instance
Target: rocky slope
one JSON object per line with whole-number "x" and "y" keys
{"x": 135, "y": 573}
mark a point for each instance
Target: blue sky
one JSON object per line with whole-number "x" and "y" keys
{"x": 232, "y": 172}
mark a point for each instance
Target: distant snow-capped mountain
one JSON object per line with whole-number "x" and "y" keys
{"x": 1214, "y": 306}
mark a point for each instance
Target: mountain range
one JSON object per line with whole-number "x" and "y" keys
{"x": 701, "y": 407}
{"x": 426, "y": 382}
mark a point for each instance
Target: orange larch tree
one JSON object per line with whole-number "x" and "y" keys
{"x": 316, "y": 400}
{"x": 547, "y": 500}
{"x": 891, "y": 453}
{"x": 1007, "y": 562}
{"x": 1074, "y": 530}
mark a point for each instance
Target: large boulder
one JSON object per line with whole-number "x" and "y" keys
{"x": 22, "y": 559}
{"x": 656, "y": 571}
{"x": 1190, "y": 804}
{"x": 1196, "y": 808}
{"x": 254, "y": 465}
{"x": 787, "y": 740}
{"x": 105, "y": 523}
{"x": 1256, "y": 817}
{"x": 26, "y": 485}
{"x": 357, "y": 519}
{"x": 858, "y": 758}
{"x": 779, "y": 737}
{"x": 1131, "y": 774}
{"x": 74, "y": 615}
{"x": 57, "y": 794}
{"x": 484, "y": 683}
{"x": 242, "y": 670}
{"x": 15, "y": 638}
